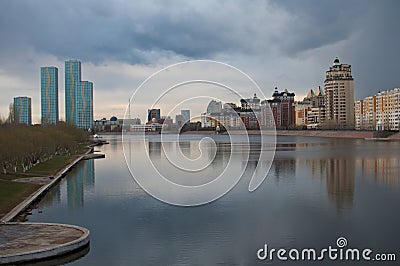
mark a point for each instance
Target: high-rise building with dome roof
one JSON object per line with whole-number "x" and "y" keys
{"x": 339, "y": 96}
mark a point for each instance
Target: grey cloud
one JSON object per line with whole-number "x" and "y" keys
{"x": 127, "y": 31}
{"x": 319, "y": 23}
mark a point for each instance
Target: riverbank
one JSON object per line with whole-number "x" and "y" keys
{"x": 349, "y": 134}
{"x": 395, "y": 136}
{"x": 18, "y": 191}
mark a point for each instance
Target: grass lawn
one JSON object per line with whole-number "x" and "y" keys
{"x": 55, "y": 164}
{"x": 52, "y": 166}
{"x": 12, "y": 193}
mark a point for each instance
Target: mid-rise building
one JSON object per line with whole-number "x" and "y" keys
{"x": 358, "y": 112}
{"x": 23, "y": 110}
{"x": 214, "y": 107}
{"x": 339, "y": 96}
{"x": 267, "y": 117}
{"x": 251, "y": 103}
{"x": 394, "y": 109}
{"x": 282, "y": 108}
{"x": 315, "y": 117}
{"x": 49, "y": 95}
{"x": 205, "y": 120}
{"x": 302, "y": 109}
{"x": 186, "y": 115}
{"x": 232, "y": 119}
{"x": 180, "y": 120}
{"x": 382, "y": 101}
{"x": 153, "y": 113}
{"x": 117, "y": 124}
{"x": 379, "y": 112}
{"x": 369, "y": 113}
{"x": 315, "y": 112}
{"x": 250, "y": 112}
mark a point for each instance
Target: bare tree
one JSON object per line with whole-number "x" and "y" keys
{"x": 22, "y": 146}
{"x": 11, "y": 114}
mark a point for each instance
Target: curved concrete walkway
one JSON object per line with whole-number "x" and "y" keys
{"x": 24, "y": 242}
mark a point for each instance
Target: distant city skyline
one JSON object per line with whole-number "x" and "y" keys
{"x": 284, "y": 44}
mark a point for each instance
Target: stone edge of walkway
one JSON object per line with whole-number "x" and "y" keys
{"x": 50, "y": 252}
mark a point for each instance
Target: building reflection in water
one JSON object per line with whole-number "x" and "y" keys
{"x": 254, "y": 153}
{"x": 285, "y": 167}
{"x": 154, "y": 149}
{"x": 338, "y": 173}
{"x": 78, "y": 182}
{"x": 53, "y": 197}
{"x": 382, "y": 170}
{"x": 340, "y": 176}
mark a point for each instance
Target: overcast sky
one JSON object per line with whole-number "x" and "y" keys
{"x": 288, "y": 44}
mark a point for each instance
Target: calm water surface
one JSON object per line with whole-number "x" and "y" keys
{"x": 318, "y": 189}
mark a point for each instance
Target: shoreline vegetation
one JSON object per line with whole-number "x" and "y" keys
{"x": 30, "y": 156}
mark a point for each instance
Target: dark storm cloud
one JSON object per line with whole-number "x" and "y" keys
{"x": 375, "y": 54}
{"x": 319, "y": 23}
{"x": 94, "y": 31}
{"x": 127, "y": 31}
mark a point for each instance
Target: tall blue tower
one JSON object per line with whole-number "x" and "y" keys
{"x": 49, "y": 94}
{"x": 72, "y": 81}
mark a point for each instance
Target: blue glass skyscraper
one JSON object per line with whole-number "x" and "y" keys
{"x": 49, "y": 94}
{"x": 84, "y": 105}
{"x": 72, "y": 80}
{"x": 78, "y": 97}
{"x": 23, "y": 110}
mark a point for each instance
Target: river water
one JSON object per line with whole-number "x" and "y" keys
{"x": 317, "y": 190}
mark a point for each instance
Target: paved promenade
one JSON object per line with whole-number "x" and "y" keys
{"x": 22, "y": 242}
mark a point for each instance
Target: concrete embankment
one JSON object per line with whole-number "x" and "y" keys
{"x": 352, "y": 134}
{"x": 395, "y": 136}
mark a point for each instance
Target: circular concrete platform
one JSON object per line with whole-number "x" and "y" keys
{"x": 24, "y": 242}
